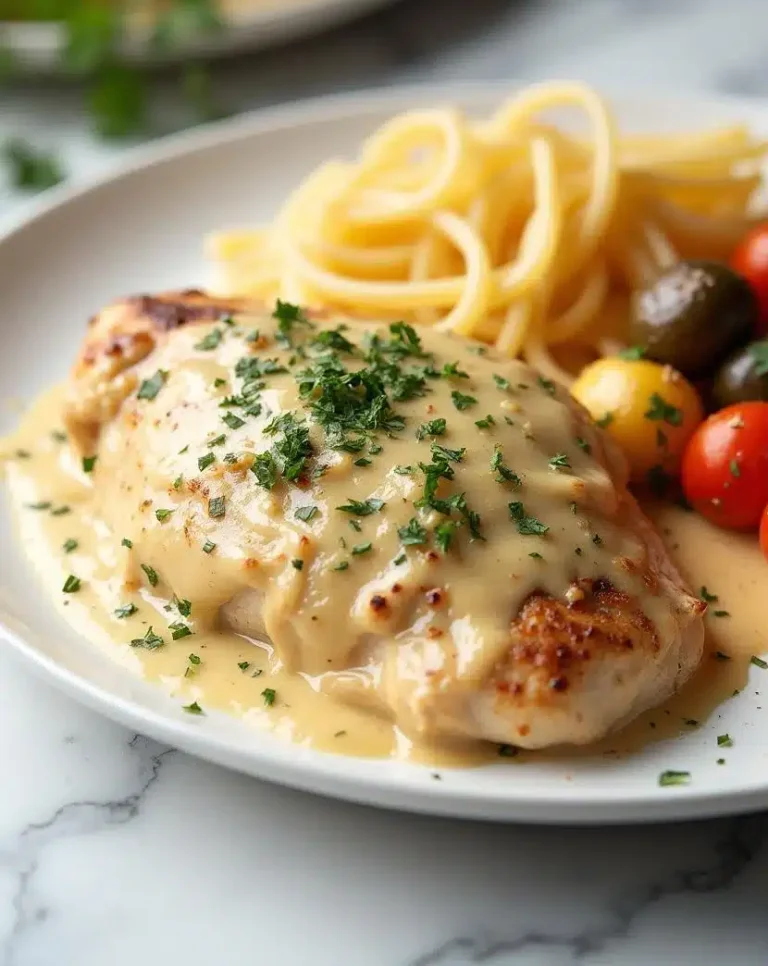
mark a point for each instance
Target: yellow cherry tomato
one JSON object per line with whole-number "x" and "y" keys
{"x": 649, "y": 409}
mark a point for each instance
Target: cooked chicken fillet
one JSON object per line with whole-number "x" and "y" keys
{"x": 419, "y": 524}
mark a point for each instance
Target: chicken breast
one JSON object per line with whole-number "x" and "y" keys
{"x": 409, "y": 519}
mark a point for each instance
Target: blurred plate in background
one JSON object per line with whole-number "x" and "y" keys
{"x": 249, "y": 24}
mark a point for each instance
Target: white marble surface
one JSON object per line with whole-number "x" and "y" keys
{"x": 116, "y": 851}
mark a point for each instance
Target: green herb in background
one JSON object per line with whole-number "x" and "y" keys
{"x": 118, "y": 95}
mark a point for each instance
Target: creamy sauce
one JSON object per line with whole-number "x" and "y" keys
{"x": 331, "y": 683}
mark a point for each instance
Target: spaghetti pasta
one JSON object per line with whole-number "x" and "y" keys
{"x": 512, "y": 230}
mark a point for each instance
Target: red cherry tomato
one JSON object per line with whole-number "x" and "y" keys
{"x": 764, "y": 532}
{"x": 725, "y": 466}
{"x": 751, "y": 260}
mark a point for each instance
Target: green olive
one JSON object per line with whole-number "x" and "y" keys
{"x": 742, "y": 377}
{"x": 693, "y": 316}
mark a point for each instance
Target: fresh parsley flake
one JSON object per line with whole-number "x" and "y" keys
{"x": 71, "y": 585}
{"x": 361, "y": 548}
{"x": 526, "y": 525}
{"x": 412, "y": 534}
{"x": 178, "y": 482}
{"x": 125, "y": 610}
{"x": 209, "y": 546}
{"x": 734, "y": 467}
{"x": 243, "y": 665}
{"x": 183, "y": 606}
{"x": 344, "y": 565}
{"x": 269, "y": 695}
{"x": 193, "y": 708}
{"x": 502, "y": 383}
{"x": 149, "y": 388}
{"x": 69, "y": 545}
{"x": 758, "y": 662}
{"x": 264, "y": 469}
{"x": 444, "y": 534}
{"x": 195, "y": 659}
{"x": 503, "y": 473}
{"x": 151, "y": 574}
{"x": 125, "y": 542}
{"x": 150, "y": 641}
{"x": 233, "y": 421}
{"x": 535, "y": 555}
{"x": 605, "y": 420}
{"x": 486, "y": 422}
{"x": 205, "y": 461}
{"x": 759, "y": 353}
{"x": 721, "y": 613}
{"x": 632, "y": 353}
{"x": 668, "y": 778}
{"x": 43, "y": 505}
{"x": 210, "y": 341}
{"x": 217, "y": 507}
{"x": 707, "y": 597}
{"x": 88, "y": 463}
{"x": 448, "y": 455}
{"x": 434, "y": 427}
{"x": 363, "y": 461}
{"x": 306, "y": 513}
{"x": 583, "y": 445}
{"x": 217, "y": 440}
{"x": 660, "y": 409}
{"x": 362, "y": 508}
{"x": 178, "y": 630}
{"x": 451, "y": 371}
{"x": 724, "y": 741}
{"x": 462, "y": 401}
{"x": 560, "y": 462}
{"x": 547, "y": 385}
{"x": 297, "y": 564}
{"x": 162, "y": 515}
{"x": 61, "y": 511}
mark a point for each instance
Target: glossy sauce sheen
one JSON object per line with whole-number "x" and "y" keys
{"x": 332, "y": 676}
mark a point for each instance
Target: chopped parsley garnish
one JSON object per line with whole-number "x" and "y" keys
{"x": 183, "y": 606}
{"x": 412, "y": 534}
{"x": 362, "y": 508}
{"x": 399, "y": 559}
{"x": 605, "y": 420}
{"x": 60, "y": 511}
{"x": 287, "y": 316}
{"x": 355, "y": 525}
{"x": 434, "y": 427}
{"x": 305, "y": 513}
{"x": 461, "y": 401}
{"x": 660, "y": 409}
{"x": 486, "y": 422}
{"x": 560, "y": 462}
{"x": 88, "y": 463}
{"x": 218, "y": 382}
{"x": 403, "y": 470}
{"x": 43, "y": 505}
{"x": 230, "y": 457}
{"x": 724, "y": 741}
{"x": 707, "y": 597}
{"x": 69, "y": 545}
{"x": 503, "y": 473}
{"x": 71, "y": 584}
{"x": 178, "y": 482}
{"x": 264, "y": 469}
{"x": 632, "y": 353}
{"x": 243, "y": 665}
{"x": 721, "y": 613}
{"x": 209, "y": 546}
{"x": 151, "y": 574}
{"x": 547, "y": 385}
{"x": 162, "y": 515}
{"x": 448, "y": 455}
{"x": 667, "y": 778}
{"x": 125, "y": 542}
{"x": 361, "y": 548}
{"x": 758, "y": 662}
{"x": 344, "y": 565}
{"x": 444, "y": 534}
{"x": 451, "y": 371}
{"x": 59, "y": 436}
{"x": 583, "y": 444}
{"x": 297, "y": 564}
{"x": 526, "y": 525}
{"x": 178, "y": 630}
{"x": 205, "y": 461}
{"x": 269, "y": 695}
{"x": 150, "y": 641}
{"x": 126, "y": 610}
{"x": 217, "y": 507}
{"x": 535, "y": 555}
{"x": 193, "y": 708}
{"x": 597, "y": 539}
{"x": 501, "y": 382}
{"x": 508, "y": 751}
{"x": 211, "y": 341}
{"x": 363, "y": 461}
{"x": 722, "y": 656}
{"x": 233, "y": 421}
{"x": 292, "y": 447}
{"x": 734, "y": 467}
{"x": 217, "y": 440}
{"x": 149, "y": 388}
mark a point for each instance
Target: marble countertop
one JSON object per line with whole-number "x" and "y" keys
{"x": 116, "y": 851}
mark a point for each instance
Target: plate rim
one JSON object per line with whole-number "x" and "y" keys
{"x": 316, "y": 772}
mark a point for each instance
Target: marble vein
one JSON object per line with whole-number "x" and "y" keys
{"x": 72, "y": 819}
{"x": 734, "y": 852}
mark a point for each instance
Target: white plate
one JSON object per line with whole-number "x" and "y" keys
{"x": 250, "y": 24}
{"x": 142, "y": 229}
